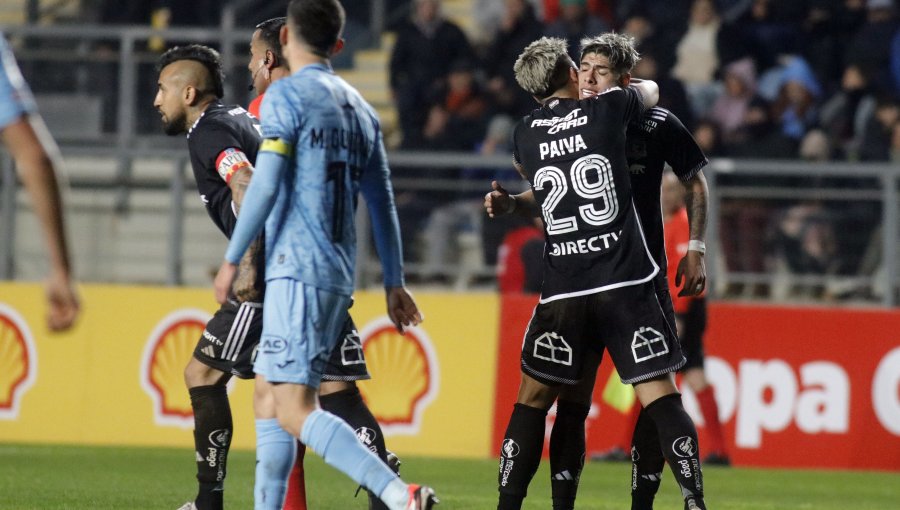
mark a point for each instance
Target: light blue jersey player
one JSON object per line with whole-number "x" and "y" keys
{"x": 15, "y": 96}
{"x": 29, "y": 143}
{"x": 322, "y": 144}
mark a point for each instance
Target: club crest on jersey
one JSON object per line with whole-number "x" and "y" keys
{"x": 648, "y": 343}
{"x": 552, "y": 347}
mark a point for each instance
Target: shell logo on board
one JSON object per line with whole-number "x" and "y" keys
{"x": 167, "y": 351}
{"x": 18, "y": 361}
{"x": 405, "y": 375}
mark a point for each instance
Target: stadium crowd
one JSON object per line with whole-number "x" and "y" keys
{"x": 817, "y": 80}
{"x": 814, "y": 80}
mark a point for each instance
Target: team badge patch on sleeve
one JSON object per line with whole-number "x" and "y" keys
{"x": 230, "y": 161}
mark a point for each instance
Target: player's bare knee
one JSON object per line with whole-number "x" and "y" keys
{"x": 649, "y": 391}
{"x": 329, "y": 387}
{"x": 534, "y": 393}
{"x": 197, "y": 374}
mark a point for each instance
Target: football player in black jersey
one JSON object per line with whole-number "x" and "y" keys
{"x": 656, "y": 139}
{"x": 598, "y": 289}
{"x": 222, "y": 141}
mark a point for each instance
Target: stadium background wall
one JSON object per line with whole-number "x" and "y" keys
{"x": 116, "y": 378}
{"x": 797, "y": 387}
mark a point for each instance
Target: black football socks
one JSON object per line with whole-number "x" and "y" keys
{"x": 567, "y": 452}
{"x": 647, "y": 463}
{"x": 520, "y": 454}
{"x": 212, "y": 438}
{"x": 678, "y": 440}
{"x": 349, "y": 406}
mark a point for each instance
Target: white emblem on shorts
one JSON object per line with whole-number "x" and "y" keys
{"x": 552, "y": 347}
{"x": 351, "y": 350}
{"x": 648, "y": 343}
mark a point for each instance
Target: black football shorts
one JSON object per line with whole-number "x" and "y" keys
{"x": 230, "y": 339}
{"x": 693, "y": 325}
{"x": 628, "y": 322}
{"x": 347, "y": 362}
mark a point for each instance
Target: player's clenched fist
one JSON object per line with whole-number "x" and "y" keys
{"x": 499, "y": 202}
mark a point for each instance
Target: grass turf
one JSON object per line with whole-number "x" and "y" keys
{"x": 76, "y": 478}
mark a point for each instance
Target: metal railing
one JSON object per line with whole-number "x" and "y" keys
{"x": 733, "y": 182}
{"x": 841, "y": 188}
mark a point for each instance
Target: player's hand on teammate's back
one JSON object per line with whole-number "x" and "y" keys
{"x": 402, "y": 308}
{"x": 692, "y": 270}
{"x": 62, "y": 301}
{"x": 224, "y": 280}
{"x": 498, "y": 202}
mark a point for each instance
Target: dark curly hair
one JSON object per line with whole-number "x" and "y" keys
{"x": 206, "y": 56}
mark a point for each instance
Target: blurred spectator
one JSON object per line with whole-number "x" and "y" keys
{"x": 672, "y": 95}
{"x": 457, "y": 117}
{"x": 795, "y": 109}
{"x": 575, "y": 23}
{"x": 766, "y": 30}
{"x": 870, "y": 47}
{"x": 697, "y": 58}
{"x": 706, "y": 133}
{"x": 519, "y": 28}
{"x": 451, "y": 227}
{"x": 425, "y": 45}
{"x": 806, "y": 244}
{"x": 824, "y": 36}
{"x": 880, "y": 132}
{"x": 552, "y": 10}
{"x": 845, "y": 116}
{"x": 729, "y": 112}
{"x": 494, "y": 16}
{"x": 666, "y": 20}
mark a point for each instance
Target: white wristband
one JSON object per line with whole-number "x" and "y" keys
{"x": 698, "y": 246}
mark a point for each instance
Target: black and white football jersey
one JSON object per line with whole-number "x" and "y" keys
{"x": 213, "y": 140}
{"x": 656, "y": 139}
{"x": 573, "y": 154}
{"x": 224, "y": 137}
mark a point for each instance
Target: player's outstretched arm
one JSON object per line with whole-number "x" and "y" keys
{"x": 692, "y": 268}
{"x": 271, "y": 166}
{"x": 34, "y": 151}
{"x": 500, "y": 202}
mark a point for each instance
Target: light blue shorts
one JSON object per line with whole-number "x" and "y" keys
{"x": 301, "y": 325}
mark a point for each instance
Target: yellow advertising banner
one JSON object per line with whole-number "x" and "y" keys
{"x": 117, "y": 377}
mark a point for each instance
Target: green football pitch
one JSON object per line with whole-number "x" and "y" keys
{"x": 95, "y": 478}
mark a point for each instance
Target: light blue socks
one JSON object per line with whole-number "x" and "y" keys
{"x": 333, "y": 440}
{"x": 275, "y": 452}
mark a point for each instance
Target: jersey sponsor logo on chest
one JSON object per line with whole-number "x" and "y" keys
{"x": 557, "y": 124}
{"x": 561, "y": 147}
{"x": 592, "y": 244}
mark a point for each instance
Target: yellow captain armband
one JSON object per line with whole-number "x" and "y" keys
{"x": 278, "y": 146}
